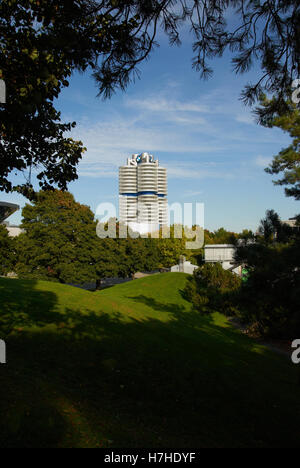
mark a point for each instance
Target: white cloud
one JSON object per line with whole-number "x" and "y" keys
{"x": 245, "y": 118}
{"x": 196, "y": 171}
{"x": 262, "y": 161}
{"x": 97, "y": 172}
{"x": 187, "y": 120}
{"x": 110, "y": 143}
{"x": 161, "y": 104}
{"x": 192, "y": 193}
{"x": 166, "y": 125}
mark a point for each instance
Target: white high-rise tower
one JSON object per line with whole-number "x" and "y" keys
{"x": 143, "y": 193}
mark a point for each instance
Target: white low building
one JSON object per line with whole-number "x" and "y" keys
{"x": 292, "y": 222}
{"x": 184, "y": 267}
{"x": 224, "y": 254}
{"x": 14, "y": 231}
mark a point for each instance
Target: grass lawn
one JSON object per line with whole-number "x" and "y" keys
{"x": 134, "y": 366}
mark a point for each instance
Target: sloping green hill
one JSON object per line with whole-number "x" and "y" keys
{"x": 134, "y": 366}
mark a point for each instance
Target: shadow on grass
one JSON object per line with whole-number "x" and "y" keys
{"x": 21, "y": 304}
{"x": 92, "y": 379}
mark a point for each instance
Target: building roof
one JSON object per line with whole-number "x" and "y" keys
{"x": 219, "y": 246}
{"x": 7, "y": 209}
{"x": 292, "y": 222}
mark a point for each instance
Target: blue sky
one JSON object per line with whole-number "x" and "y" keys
{"x": 214, "y": 151}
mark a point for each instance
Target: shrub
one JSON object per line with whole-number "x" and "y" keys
{"x": 270, "y": 298}
{"x": 6, "y": 251}
{"x": 213, "y": 289}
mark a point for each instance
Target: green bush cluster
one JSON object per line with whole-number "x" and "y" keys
{"x": 214, "y": 289}
{"x": 269, "y": 300}
{"x": 7, "y": 251}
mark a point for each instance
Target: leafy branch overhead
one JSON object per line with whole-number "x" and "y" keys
{"x": 287, "y": 162}
{"x": 43, "y": 42}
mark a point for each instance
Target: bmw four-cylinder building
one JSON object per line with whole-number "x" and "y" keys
{"x": 143, "y": 202}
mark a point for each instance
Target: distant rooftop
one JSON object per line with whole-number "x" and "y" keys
{"x": 291, "y": 222}
{"x": 219, "y": 246}
{"x": 7, "y": 209}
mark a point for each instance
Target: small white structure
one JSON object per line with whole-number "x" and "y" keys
{"x": 14, "y": 231}
{"x": 222, "y": 253}
{"x": 184, "y": 266}
{"x": 292, "y": 222}
{"x": 219, "y": 253}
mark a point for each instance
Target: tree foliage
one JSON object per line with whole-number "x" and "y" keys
{"x": 269, "y": 298}
{"x": 60, "y": 242}
{"x": 213, "y": 289}
{"x": 6, "y": 251}
{"x": 287, "y": 162}
{"x": 43, "y": 42}
{"x": 170, "y": 249}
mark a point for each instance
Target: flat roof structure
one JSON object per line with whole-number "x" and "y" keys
{"x": 292, "y": 222}
{"x": 219, "y": 252}
{"x": 7, "y": 209}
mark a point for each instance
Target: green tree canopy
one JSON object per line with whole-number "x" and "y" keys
{"x": 269, "y": 298}
{"x": 6, "y": 251}
{"x": 221, "y": 236}
{"x": 213, "y": 289}
{"x": 171, "y": 248}
{"x": 60, "y": 242}
{"x": 287, "y": 162}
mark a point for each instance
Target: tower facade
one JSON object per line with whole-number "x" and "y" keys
{"x": 143, "y": 202}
